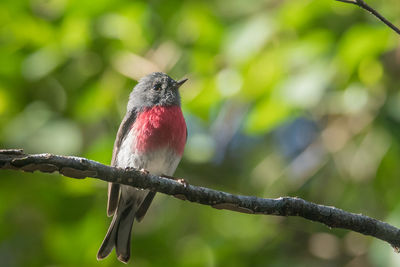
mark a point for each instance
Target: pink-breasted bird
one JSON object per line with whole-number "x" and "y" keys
{"x": 152, "y": 136}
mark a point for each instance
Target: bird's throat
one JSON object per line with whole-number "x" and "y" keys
{"x": 160, "y": 127}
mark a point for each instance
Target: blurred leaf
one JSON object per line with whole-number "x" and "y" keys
{"x": 360, "y": 42}
{"x": 265, "y": 115}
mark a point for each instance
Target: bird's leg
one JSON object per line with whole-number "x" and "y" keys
{"x": 179, "y": 180}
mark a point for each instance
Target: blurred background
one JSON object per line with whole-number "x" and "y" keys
{"x": 285, "y": 98}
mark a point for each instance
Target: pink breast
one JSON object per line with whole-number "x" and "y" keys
{"x": 158, "y": 127}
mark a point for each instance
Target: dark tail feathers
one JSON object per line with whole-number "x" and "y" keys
{"x": 119, "y": 234}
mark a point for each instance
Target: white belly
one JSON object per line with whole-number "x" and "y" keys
{"x": 158, "y": 162}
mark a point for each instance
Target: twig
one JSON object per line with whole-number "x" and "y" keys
{"x": 365, "y": 6}
{"x": 76, "y": 167}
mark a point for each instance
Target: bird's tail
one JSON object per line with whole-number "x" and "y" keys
{"x": 119, "y": 233}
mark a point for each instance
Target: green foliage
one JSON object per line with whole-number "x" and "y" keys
{"x": 294, "y": 98}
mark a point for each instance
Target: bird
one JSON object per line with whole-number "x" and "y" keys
{"x": 151, "y": 138}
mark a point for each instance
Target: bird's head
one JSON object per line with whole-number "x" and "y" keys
{"x": 155, "y": 89}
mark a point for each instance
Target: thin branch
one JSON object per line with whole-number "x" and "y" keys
{"x": 365, "y": 6}
{"x": 347, "y": 1}
{"x": 76, "y": 167}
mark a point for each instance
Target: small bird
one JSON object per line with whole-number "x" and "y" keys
{"x": 151, "y": 137}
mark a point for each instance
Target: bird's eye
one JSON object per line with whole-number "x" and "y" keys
{"x": 157, "y": 87}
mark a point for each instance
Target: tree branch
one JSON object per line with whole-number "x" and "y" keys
{"x": 365, "y": 6}
{"x": 76, "y": 167}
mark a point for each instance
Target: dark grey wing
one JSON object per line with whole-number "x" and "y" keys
{"x": 113, "y": 197}
{"x": 113, "y": 189}
{"x": 144, "y": 206}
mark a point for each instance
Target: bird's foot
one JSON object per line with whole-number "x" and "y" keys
{"x": 183, "y": 182}
{"x": 179, "y": 180}
{"x": 144, "y": 171}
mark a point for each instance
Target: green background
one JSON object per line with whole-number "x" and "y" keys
{"x": 296, "y": 98}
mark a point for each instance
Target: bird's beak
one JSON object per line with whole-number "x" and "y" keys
{"x": 180, "y": 82}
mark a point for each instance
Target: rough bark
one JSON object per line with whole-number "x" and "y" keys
{"x": 76, "y": 167}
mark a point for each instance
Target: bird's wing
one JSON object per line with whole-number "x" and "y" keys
{"x": 113, "y": 189}
{"x": 144, "y": 206}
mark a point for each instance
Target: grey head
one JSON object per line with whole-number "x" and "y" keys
{"x": 155, "y": 89}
